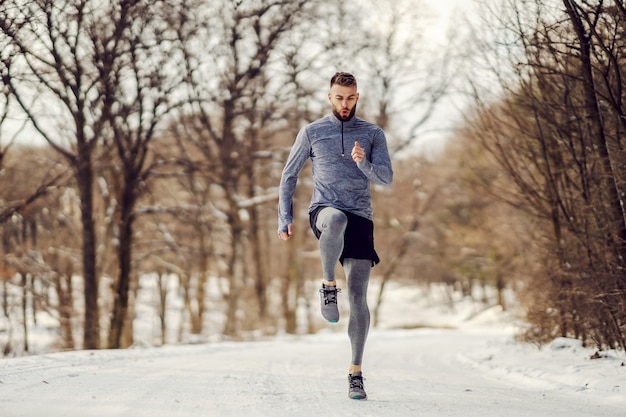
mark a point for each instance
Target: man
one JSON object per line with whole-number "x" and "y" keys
{"x": 347, "y": 153}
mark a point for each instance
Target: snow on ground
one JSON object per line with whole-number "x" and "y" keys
{"x": 466, "y": 364}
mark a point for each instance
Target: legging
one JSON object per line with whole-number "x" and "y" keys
{"x": 332, "y": 223}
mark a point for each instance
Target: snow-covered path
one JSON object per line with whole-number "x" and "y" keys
{"x": 474, "y": 371}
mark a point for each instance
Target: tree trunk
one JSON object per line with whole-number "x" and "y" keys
{"x": 162, "y": 288}
{"x": 84, "y": 177}
{"x": 197, "y": 316}
{"x": 257, "y": 238}
{"x": 290, "y": 287}
{"x": 236, "y": 275}
{"x": 25, "y": 310}
{"x": 617, "y": 220}
{"x": 122, "y": 283}
{"x": 63, "y": 288}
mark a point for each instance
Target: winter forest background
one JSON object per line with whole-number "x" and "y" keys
{"x": 142, "y": 142}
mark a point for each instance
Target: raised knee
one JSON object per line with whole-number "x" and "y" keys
{"x": 337, "y": 222}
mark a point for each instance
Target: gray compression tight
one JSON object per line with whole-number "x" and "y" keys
{"x": 332, "y": 223}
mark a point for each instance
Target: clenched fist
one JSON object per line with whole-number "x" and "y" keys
{"x": 358, "y": 153}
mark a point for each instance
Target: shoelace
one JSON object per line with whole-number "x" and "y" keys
{"x": 356, "y": 382}
{"x": 330, "y": 294}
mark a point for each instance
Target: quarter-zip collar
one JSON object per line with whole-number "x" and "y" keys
{"x": 343, "y": 125}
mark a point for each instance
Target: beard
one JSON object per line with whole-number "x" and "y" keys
{"x": 345, "y": 118}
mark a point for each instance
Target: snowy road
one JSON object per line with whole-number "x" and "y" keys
{"x": 428, "y": 372}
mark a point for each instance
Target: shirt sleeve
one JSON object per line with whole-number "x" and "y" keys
{"x": 299, "y": 154}
{"x": 377, "y": 166}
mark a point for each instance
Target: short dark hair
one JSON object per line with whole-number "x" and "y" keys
{"x": 343, "y": 78}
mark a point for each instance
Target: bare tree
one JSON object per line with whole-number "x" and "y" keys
{"x": 553, "y": 138}
{"x": 39, "y": 254}
{"x": 48, "y": 73}
{"x": 408, "y": 75}
{"x": 136, "y": 56}
{"x": 233, "y": 97}
{"x": 112, "y": 75}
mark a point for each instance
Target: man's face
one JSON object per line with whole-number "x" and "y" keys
{"x": 343, "y": 101}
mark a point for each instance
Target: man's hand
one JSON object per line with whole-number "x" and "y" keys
{"x": 286, "y": 235}
{"x": 358, "y": 153}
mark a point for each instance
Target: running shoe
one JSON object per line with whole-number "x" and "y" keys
{"x": 328, "y": 302}
{"x": 356, "y": 390}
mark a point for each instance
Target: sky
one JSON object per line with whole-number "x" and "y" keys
{"x": 445, "y": 10}
{"x": 424, "y": 360}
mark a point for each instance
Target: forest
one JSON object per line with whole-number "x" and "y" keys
{"x": 144, "y": 141}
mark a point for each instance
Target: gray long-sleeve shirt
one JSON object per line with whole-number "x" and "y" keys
{"x": 338, "y": 181}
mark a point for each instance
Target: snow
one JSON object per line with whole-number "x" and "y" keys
{"x": 425, "y": 359}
